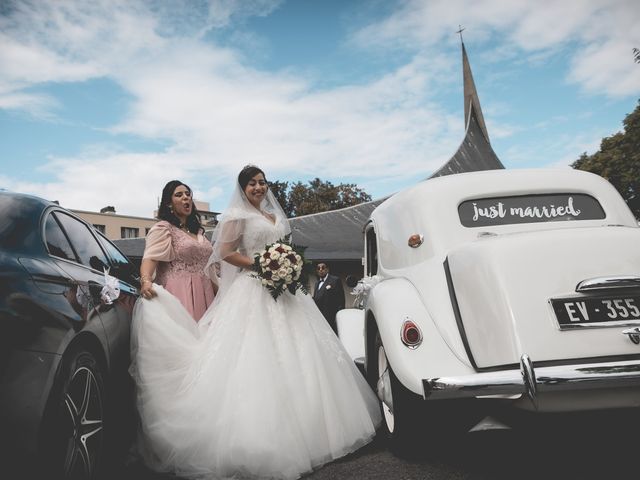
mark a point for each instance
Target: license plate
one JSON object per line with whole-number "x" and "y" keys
{"x": 585, "y": 311}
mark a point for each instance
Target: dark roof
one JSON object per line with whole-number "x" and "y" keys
{"x": 131, "y": 247}
{"x": 335, "y": 235}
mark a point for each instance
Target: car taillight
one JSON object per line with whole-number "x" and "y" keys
{"x": 411, "y": 335}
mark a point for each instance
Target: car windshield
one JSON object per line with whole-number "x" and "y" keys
{"x": 510, "y": 210}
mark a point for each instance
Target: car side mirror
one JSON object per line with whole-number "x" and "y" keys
{"x": 97, "y": 264}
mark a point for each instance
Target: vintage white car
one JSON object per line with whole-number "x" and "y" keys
{"x": 520, "y": 287}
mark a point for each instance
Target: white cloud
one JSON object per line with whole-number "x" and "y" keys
{"x": 36, "y": 105}
{"x": 223, "y": 12}
{"x": 218, "y": 113}
{"x": 600, "y": 32}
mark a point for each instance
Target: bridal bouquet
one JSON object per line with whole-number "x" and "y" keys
{"x": 281, "y": 266}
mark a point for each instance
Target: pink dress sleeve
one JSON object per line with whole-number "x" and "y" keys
{"x": 158, "y": 243}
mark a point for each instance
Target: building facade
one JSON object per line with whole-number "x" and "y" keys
{"x": 115, "y": 226}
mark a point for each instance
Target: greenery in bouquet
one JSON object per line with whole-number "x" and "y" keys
{"x": 281, "y": 266}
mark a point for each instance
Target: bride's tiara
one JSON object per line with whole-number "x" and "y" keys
{"x": 249, "y": 165}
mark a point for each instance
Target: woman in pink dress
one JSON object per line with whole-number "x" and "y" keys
{"x": 176, "y": 251}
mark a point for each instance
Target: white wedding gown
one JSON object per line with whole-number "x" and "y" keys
{"x": 258, "y": 389}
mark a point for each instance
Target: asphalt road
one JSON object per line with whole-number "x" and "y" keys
{"x": 585, "y": 447}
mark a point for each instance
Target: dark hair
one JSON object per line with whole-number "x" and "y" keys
{"x": 165, "y": 213}
{"x": 247, "y": 173}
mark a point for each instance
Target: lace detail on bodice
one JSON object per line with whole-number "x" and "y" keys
{"x": 191, "y": 255}
{"x": 258, "y": 232}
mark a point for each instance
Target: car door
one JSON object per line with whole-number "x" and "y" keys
{"x": 86, "y": 269}
{"x": 80, "y": 310}
{"x": 126, "y": 273}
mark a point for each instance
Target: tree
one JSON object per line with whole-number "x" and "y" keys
{"x": 618, "y": 160}
{"x": 316, "y": 196}
{"x": 279, "y": 190}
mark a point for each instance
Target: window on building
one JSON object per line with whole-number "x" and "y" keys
{"x": 129, "y": 232}
{"x": 100, "y": 228}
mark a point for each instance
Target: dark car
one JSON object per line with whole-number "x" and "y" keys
{"x": 65, "y": 393}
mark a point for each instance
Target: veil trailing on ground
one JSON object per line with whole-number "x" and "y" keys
{"x": 230, "y": 234}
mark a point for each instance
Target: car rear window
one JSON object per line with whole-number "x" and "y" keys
{"x": 484, "y": 212}
{"x": 19, "y": 220}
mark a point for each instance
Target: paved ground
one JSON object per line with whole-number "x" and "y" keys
{"x": 583, "y": 448}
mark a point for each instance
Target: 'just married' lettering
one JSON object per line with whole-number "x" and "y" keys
{"x": 528, "y": 211}
{"x": 534, "y": 208}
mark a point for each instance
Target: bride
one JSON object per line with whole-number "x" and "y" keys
{"x": 259, "y": 388}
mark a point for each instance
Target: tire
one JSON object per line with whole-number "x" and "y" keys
{"x": 73, "y": 445}
{"x": 402, "y": 410}
{"x": 412, "y": 425}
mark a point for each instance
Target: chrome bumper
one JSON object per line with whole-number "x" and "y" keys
{"x": 531, "y": 381}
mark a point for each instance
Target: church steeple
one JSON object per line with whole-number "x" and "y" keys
{"x": 471, "y": 100}
{"x": 475, "y": 152}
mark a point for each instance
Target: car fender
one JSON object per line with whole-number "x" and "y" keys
{"x": 93, "y": 337}
{"x": 390, "y": 303}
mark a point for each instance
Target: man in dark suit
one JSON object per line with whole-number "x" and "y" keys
{"x": 328, "y": 295}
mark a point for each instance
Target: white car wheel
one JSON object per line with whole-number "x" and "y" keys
{"x": 403, "y": 411}
{"x": 383, "y": 389}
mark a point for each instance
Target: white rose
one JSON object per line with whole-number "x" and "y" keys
{"x": 275, "y": 255}
{"x": 296, "y": 276}
{"x": 282, "y": 272}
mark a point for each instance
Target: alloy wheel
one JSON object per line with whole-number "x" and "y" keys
{"x": 83, "y": 424}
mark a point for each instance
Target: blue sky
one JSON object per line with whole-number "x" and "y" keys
{"x": 104, "y": 101}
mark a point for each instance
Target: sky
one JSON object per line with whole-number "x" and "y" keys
{"x": 104, "y": 101}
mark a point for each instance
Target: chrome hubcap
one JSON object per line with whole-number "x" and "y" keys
{"x": 383, "y": 389}
{"x": 83, "y": 424}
